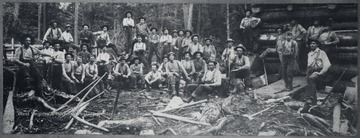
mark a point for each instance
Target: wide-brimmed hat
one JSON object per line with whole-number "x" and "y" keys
{"x": 213, "y": 61}
{"x": 175, "y": 31}
{"x": 188, "y": 53}
{"x": 197, "y": 52}
{"x": 171, "y": 53}
{"x": 240, "y": 46}
{"x": 314, "y": 40}
{"x": 135, "y": 58}
{"x": 128, "y": 12}
{"x": 229, "y": 40}
{"x": 153, "y": 29}
{"x": 122, "y": 58}
{"x": 102, "y": 27}
{"x": 85, "y": 25}
{"x": 142, "y": 18}
{"x": 165, "y": 29}
{"x": 81, "y": 45}
{"x": 71, "y": 54}
{"x": 192, "y": 37}
{"x": 208, "y": 39}
{"x": 53, "y": 21}
{"x": 68, "y": 25}
{"x": 188, "y": 31}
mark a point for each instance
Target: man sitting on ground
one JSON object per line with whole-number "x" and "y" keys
{"x": 152, "y": 79}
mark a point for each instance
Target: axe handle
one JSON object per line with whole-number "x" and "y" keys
{"x": 337, "y": 81}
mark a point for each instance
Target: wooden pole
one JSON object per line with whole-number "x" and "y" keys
{"x": 186, "y": 105}
{"x": 199, "y": 20}
{"x": 76, "y": 22}
{"x": 227, "y": 22}
{"x": 39, "y": 21}
{"x": 44, "y": 19}
{"x": 179, "y": 118}
{"x": 189, "y": 21}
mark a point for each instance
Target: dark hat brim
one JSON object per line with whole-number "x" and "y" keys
{"x": 192, "y": 37}
{"x": 201, "y": 54}
{"x": 153, "y": 29}
{"x": 142, "y": 18}
{"x": 212, "y": 61}
{"x": 53, "y": 21}
{"x": 188, "y": 31}
{"x": 85, "y": 25}
{"x": 171, "y": 53}
{"x": 316, "y": 41}
{"x": 66, "y": 54}
{"x": 188, "y": 53}
{"x": 208, "y": 39}
{"x": 242, "y": 47}
{"x": 107, "y": 26}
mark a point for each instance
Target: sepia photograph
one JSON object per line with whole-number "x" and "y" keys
{"x": 186, "y": 69}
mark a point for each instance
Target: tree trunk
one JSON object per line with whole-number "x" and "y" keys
{"x": 39, "y": 21}
{"x": 186, "y": 14}
{"x": 227, "y": 22}
{"x": 16, "y": 10}
{"x": 188, "y": 11}
{"x": 76, "y": 22}
{"x": 44, "y": 19}
{"x": 199, "y": 20}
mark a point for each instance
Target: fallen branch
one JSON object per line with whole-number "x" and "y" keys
{"x": 336, "y": 118}
{"x": 215, "y": 129}
{"x": 41, "y": 100}
{"x": 313, "y": 121}
{"x": 276, "y": 100}
{"x": 168, "y": 129}
{"x": 251, "y": 117}
{"x": 185, "y": 105}
{"x": 136, "y": 122}
{"x": 179, "y": 118}
{"x": 82, "y": 104}
{"x": 88, "y": 123}
{"x": 9, "y": 114}
{"x": 87, "y": 93}
{"x": 31, "y": 123}
{"x": 173, "y": 131}
{"x": 156, "y": 121}
{"x": 67, "y": 102}
{"x": 77, "y": 113}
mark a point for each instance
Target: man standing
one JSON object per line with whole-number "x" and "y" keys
{"x": 86, "y": 37}
{"x": 24, "y": 57}
{"x": 289, "y": 52}
{"x": 53, "y": 34}
{"x": 139, "y": 50}
{"x": 318, "y": 65}
{"x": 298, "y": 33}
{"x": 137, "y": 73}
{"x": 79, "y": 73}
{"x": 248, "y": 25}
{"x": 47, "y": 59}
{"x": 240, "y": 68}
{"x": 314, "y": 31}
{"x": 103, "y": 37}
{"x": 178, "y": 44}
{"x": 142, "y": 28}
{"x": 58, "y": 60}
{"x": 153, "y": 78}
{"x": 174, "y": 70}
{"x": 209, "y": 49}
{"x": 195, "y": 46}
{"x": 229, "y": 54}
{"x": 173, "y": 46}
{"x": 210, "y": 82}
{"x": 153, "y": 45}
{"x": 186, "y": 42}
{"x": 329, "y": 41}
{"x": 128, "y": 25}
{"x": 165, "y": 41}
{"x": 68, "y": 75}
{"x": 66, "y": 37}
{"x": 103, "y": 61}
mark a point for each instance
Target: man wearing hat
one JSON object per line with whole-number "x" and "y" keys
{"x": 53, "y": 33}
{"x": 289, "y": 52}
{"x": 84, "y": 53}
{"x": 186, "y": 42}
{"x": 175, "y": 70}
{"x": 209, "y": 83}
{"x": 173, "y": 46}
{"x": 86, "y": 36}
{"x": 103, "y": 38}
{"x": 66, "y": 37}
{"x": 153, "y": 78}
{"x": 58, "y": 60}
{"x": 139, "y": 50}
{"x": 179, "y": 42}
{"x": 154, "y": 40}
{"x": 128, "y": 25}
{"x": 240, "y": 68}
{"x": 24, "y": 57}
{"x": 165, "y": 41}
{"x": 142, "y": 27}
{"x": 195, "y": 46}
{"x": 209, "y": 49}
{"x": 122, "y": 73}
{"x": 318, "y": 64}
{"x": 229, "y": 53}
{"x": 248, "y": 25}
{"x": 200, "y": 66}
{"x": 68, "y": 74}
{"x": 137, "y": 73}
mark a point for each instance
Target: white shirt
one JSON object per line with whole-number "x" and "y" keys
{"x": 49, "y": 51}
{"x": 128, "y": 22}
{"x": 59, "y": 55}
{"x": 139, "y": 46}
{"x": 166, "y": 38}
{"x": 103, "y": 56}
{"x": 153, "y": 75}
{"x": 67, "y": 37}
{"x": 103, "y": 36}
{"x": 196, "y": 48}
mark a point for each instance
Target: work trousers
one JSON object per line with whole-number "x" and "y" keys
{"x": 242, "y": 74}
{"x": 312, "y": 83}
{"x": 153, "y": 48}
{"x": 198, "y": 90}
{"x": 287, "y": 68}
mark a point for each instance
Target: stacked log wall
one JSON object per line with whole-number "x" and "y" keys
{"x": 345, "y": 25}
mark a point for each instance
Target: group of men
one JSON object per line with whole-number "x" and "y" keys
{"x": 178, "y": 56}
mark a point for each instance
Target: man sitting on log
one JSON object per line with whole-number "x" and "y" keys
{"x": 137, "y": 73}
{"x": 240, "y": 69}
{"x": 122, "y": 74}
{"x": 210, "y": 82}
{"x": 25, "y": 58}
{"x": 318, "y": 65}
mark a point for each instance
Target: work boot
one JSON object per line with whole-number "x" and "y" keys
{"x": 173, "y": 90}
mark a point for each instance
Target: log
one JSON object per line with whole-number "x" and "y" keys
{"x": 88, "y": 123}
{"x": 313, "y": 121}
{"x": 77, "y": 113}
{"x": 349, "y": 49}
{"x": 306, "y": 14}
{"x": 336, "y": 119}
{"x": 271, "y": 27}
{"x": 82, "y": 104}
{"x": 9, "y": 114}
{"x": 215, "y": 129}
{"x": 185, "y": 105}
{"x": 31, "y": 123}
{"x": 136, "y": 122}
{"x": 87, "y": 93}
{"x": 336, "y": 69}
{"x": 179, "y": 118}
{"x": 41, "y": 100}
{"x": 276, "y": 100}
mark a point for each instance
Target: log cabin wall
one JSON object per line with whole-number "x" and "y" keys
{"x": 345, "y": 25}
